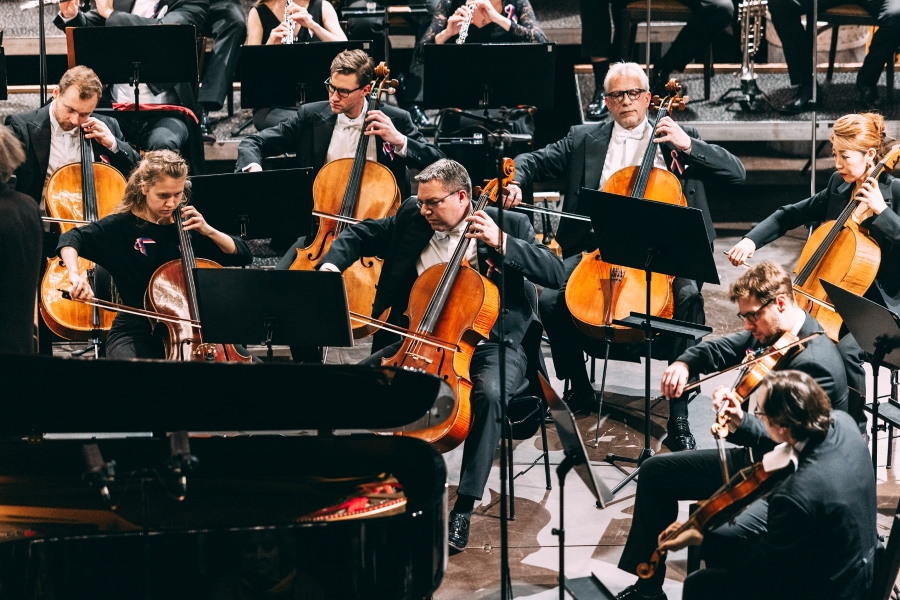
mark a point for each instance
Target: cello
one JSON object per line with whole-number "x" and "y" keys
{"x": 454, "y": 303}
{"x": 353, "y": 188}
{"x": 842, "y": 253}
{"x": 172, "y": 293}
{"x": 80, "y": 192}
{"x": 598, "y": 292}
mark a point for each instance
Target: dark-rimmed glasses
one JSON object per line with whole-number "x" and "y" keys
{"x": 758, "y": 413}
{"x": 632, "y": 94}
{"x": 430, "y": 205}
{"x": 752, "y": 315}
{"x": 339, "y": 91}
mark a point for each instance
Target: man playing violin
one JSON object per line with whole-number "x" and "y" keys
{"x": 425, "y": 231}
{"x": 815, "y": 536}
{"x": 765, "y": 300}
{"x": 586, "y": 158}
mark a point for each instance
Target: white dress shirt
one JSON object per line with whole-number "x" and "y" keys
{"x": 65, "y": 147}
{"x": 346, "y": 134}
{"x": 626, "y": 149}
{"x": 441, "y": 246}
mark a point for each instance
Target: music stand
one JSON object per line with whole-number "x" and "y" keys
{"x": 160, "y": 54}
{"x": 264, "y": 204}
{"x": 3, "y": 88}
{"x": 576, "y": 457}
{"x": 654, "y": 250}
{"x": 240, "y": 305}
{"x": 877, "y": 331}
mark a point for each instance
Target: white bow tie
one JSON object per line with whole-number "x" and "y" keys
{"x": 635, "y": 134}
{"x": 443, "y": 235}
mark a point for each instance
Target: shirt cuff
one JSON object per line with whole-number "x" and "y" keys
{"x": 401, "y": 150}
{"x": 329, "y": 267}
{"x": 502, "y": 248}
{"x": 65, "y": 20}
{"x": 251, "y": 165}
{"x": 115, "y": 146}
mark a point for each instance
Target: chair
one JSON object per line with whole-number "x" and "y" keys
{"x": 851, "y": 14}
{"x": 662, "y": 10}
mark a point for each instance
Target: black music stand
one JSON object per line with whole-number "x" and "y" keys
{"x": 576, "y": 456}
{"x": 3, "y": 89}
{"x": 158, "y": 54}
{"x": 240, "y": 305}
{"x": 264, "y": 204}
{"x": 654, "y": 249}
{"x": 877, "y": 331}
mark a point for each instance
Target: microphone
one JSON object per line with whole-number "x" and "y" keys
{"x": 180, "y": 462}
{"x": 99, "y": 473}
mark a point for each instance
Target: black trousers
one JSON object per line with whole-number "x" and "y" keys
{"x": 480, "y": 445}
{"x": 226, "y": 25}
{"x": 132, "y": 337}
{"x": 158, "y": 132}
{"x": 797, "y": 42}
{"x": 21, "y": 244}
{"x": 666, "y": 479}
{"x": 596, "y": 29}
{"x": 708, "y": 19}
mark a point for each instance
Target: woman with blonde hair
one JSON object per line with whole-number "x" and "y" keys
{"x": 138, "y": 238}
{"x": 859, "y": 141}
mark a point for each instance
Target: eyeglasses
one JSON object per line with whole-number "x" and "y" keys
{"x": 632, "y": 94}
{"x": 339, "y": 91}
{"x": 758, "y": 413}
{"x": 754, "y": 314}
{"x": 430, "y": 205}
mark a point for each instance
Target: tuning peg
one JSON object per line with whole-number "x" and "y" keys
{"x": 390, "y": 91}
{"x": 393, "y": 83}
{"x": 476, "y": 191}
{"x": 684, "y": 100}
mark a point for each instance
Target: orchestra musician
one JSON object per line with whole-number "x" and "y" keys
{"x": 587, "y": 157}
{"x": 314, "y": 21}
{"x": 815, "y": 536}
{"x": 226, "y": 25}
{"x": 50, "y": 133}
{"x": 321, "y": 132}
{"x": 136, "y": 240}
{"x": 20, "y": 253}
{"x": 424, "y": 232}
{"x": 859, "y": 141}
{"x": 765, "y": 298}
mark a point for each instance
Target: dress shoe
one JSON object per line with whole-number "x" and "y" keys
{"x": 597, "y": 110}
{"x": 205, "y": 128}
{"x": 680, "y": 436}
{"x": 630, "y": 593}
{"x": 420, "y": 119}
{"x": 868, "y": 96}
{"x": 802, "y": 101}
{"x": 459, "y": 531}
{"x": 581, "y": 400}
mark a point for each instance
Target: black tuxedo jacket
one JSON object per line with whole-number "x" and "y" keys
{"x": 308, "y": 134}
{"x": 579, "y": 158}
{"x": 33, "y": 129}
{"x": 827, "y": 205}
{"x": 400, "y": 239}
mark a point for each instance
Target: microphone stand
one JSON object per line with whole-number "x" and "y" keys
{"x": 814, "y": 29}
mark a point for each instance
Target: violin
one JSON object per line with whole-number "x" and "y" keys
{"x": 454, "y": 303}
{"x": 599, "y": 293}
{"x": 353, "y": 188}
{"x": 78, "y": 193}
{"x": 842, "y": 253}
{"x": 172, "y": 293}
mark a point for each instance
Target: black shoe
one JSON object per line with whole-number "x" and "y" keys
{"x": 802, "y": 101}
{"x": 597, "y": 109}
{"x": 459, "y": 531}
{"x": 868, "y": 96}
{"x": 630, "y": 593}
{"x": 582, "y": 400}
{"x": 205, "y": 128}
{"x": 420, "y": 119}
{"x": 680, "y": 436}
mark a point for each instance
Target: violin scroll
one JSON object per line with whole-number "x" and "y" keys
{"x": 646, "y": 570}
{"x": 490, "y": 188}
{"x": 673, "y": 100}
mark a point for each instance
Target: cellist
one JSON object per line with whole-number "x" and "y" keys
{"x": 767, "y": 309}
{"x": 587, "y": 157}
{"x": 859, "y": 141}
{"x": 136, "y": 240}
{"x": 424, "y": 232}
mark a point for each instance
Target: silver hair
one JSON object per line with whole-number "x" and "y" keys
{"x": 626, "y": 68}
{"x": 12, "y": 154}
{"x": 452, "y": 174}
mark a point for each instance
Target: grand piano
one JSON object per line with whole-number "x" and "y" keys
{"x": 98, "y": 501}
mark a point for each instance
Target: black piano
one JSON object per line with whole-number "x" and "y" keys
{"x": 128, "y": 514}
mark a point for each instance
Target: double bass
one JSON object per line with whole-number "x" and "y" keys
{"x": 78, "y": 192}
{"x": 172, "y": 293}
{"x": 842, "y": 253}
{"x": 598, "y": 292}
{"x": 454, "y": 303}
{"x": 353, "y": 188}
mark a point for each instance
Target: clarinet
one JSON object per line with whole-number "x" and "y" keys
{"x": 289, "y": 37}
{"x": 464, "y": 28}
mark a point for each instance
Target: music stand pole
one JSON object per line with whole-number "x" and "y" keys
{"x": 561, "y": 471}
{"x": 42, "y": 49}
{"x": 814, "y": 28}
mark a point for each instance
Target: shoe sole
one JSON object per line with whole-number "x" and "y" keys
{"x": 455, "y": 547}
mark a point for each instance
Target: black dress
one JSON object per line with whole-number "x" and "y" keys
{"x": 20, "y": 265}
{"x": 132, "y": 249}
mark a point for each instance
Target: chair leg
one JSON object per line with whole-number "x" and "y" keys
{"x": 593, "y": 370}
{"x": 230, "y": 100}
{"x": 832, "y": 51}
{"x": 890, "y": 447}
{"x": 889, "y": 76}
{"x": 707, "y": 72}
{"x": 546, "y": 449}
{"x": 509, "y": 472}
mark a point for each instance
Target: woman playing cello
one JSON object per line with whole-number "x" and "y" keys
{"x": 859, "y": 143}
{"x": 136, "y": 240}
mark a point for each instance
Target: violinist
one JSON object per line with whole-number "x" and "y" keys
{"x": 136, "y": 240}
{"x": 815, "y": 536}
{"x": 587, "y": 157}
{"x": 424, "y": 232}
{"x": 50, "y": 134}
{"x": 765, "y": 301}
{"x": 858, "y": 141}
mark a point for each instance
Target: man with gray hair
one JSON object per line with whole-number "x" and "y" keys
{"x": 586, "y": 158}
{"x": 425, "y": 232}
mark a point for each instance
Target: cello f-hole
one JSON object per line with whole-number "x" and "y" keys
{"x": 326, "y": 239}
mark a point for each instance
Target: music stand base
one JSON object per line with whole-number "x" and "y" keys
{"x": 614, "y": 458}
